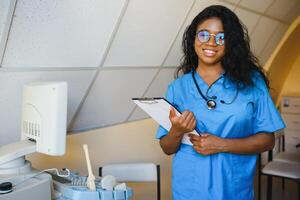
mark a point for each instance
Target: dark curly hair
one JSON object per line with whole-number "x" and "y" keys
{"x": 238, "y": 62}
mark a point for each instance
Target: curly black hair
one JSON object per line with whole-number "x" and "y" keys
{"x": 238, "y": 62}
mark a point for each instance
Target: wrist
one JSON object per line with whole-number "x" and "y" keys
{"x": 176, "y": 134}
{"x": 225, "y": 147}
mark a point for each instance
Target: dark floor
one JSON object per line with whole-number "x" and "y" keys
{"x": 290, "y": 191}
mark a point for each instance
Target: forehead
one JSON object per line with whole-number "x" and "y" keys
{"x": 213, "y": 25}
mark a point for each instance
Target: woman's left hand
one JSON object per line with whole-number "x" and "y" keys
{"x": 207, "y": 144}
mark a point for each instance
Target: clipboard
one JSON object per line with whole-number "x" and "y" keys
{"x": 158, "y": 108}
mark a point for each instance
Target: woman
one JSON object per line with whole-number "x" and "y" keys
{"x": 223, "y": 94}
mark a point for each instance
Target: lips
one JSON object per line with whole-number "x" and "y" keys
{"x": 209, "y": 52}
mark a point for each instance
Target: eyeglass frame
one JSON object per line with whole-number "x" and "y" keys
{"x": 211, "y": 34}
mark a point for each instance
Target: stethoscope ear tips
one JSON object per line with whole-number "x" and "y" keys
{"x": 222, "y": 101}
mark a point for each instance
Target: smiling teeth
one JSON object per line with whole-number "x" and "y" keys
{"x": 209, "y": 51}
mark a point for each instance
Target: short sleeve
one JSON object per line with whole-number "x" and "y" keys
{"x": 266, "y": 116}
{"x": 170, "y": 97}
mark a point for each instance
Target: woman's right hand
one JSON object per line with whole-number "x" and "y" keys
{"x": 180, "y": 125}
{"x": 183, "y": 124}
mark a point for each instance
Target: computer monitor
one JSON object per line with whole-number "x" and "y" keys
{"x": 43, "y": 125}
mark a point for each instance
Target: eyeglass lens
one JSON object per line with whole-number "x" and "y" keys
{"x": 204, "y": 36}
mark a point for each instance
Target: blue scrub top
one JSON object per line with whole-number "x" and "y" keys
{"x": 220, "y": 176}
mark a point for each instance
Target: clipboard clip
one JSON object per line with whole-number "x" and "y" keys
{"x": 147, "y": 100}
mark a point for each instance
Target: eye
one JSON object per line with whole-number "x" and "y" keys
{"x": 203, "y": 36}
{"x": 220, "y": 38}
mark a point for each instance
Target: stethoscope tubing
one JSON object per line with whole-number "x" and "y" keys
{"x": 210, "y": 102}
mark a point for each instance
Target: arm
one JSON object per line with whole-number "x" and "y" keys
{"x": 254, "y": 144}
{"x": 209, "y": 144}
{"x": 180, "y": 125}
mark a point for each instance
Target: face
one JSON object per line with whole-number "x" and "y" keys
{"x": 210, "y": 49}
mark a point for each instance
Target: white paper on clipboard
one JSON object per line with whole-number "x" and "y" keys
{"x": 159, "y": 108}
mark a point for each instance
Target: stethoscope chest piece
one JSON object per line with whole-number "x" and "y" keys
{"x": 211, "y": 104}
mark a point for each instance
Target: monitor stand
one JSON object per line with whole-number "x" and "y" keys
{"x": 16, "y": 171}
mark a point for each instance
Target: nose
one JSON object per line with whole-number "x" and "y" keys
{"x": 212, "y": 40}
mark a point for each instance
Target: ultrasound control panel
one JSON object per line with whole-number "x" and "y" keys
{"x": 74, "y": 187}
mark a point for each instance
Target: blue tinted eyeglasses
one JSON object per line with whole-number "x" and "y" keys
{"x": 204, "y": 36}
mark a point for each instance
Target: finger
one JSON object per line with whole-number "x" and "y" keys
{"x": 193, "y": 142}
{"x": 205, "y": 134}
{"x": 205, "y": 153}
{"x": 202, "y": 151}
{"x": 208, "y": 152}
{"x": 185, "y": 113}
{"x": 199, "y": 149}
{"x": 191, "y": 135}
{"x": 196, "y": 143}
{"x": 182, "y": 120}
{"x": 172, "y": 113}
{"x": 190, "y": 116}
{"x": 194, "y": 137}
{"x": 196, "y": 148}
{"x": 202, "y": 143}
{"x": 183, "y": 117}
{"x": 192, "y": 124}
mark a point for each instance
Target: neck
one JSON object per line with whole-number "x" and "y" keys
{"x": 210, "y": 73}
{"x": 210, "y": 70}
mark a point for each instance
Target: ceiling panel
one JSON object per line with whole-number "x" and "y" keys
{"x": 78, "y": 83}
{"x": 281, "y": 8}
{"x": 293, "y": 13}
{"x": 272, "y": 43}
{"x": 61, "y": 33}
{"x": 262, "y": 33}
{"x": 231, "y": 1}
{"x": 4, "y": 8}
{"x": 138, "y": 114}
{"x": 146, "y": 32}
{"x": 6, "y": 13}
{"x": 175, "y": 54}
{"x": 4, "y": 16}
{"x": 157, "y": 89}
{"x": 11, "y": 85}
{"x": 109, "y": 101}
{"x": 248, "y": 18}
{"x": 257, "y": 5}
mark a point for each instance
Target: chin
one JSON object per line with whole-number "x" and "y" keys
{"x": 210, "y": 61}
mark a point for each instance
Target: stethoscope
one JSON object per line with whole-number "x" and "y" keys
{"x": 211, "y": 100}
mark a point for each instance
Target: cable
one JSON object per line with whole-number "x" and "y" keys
{"x": 45, "y": 170}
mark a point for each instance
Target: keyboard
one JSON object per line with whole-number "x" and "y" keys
{"x": 74, "y": 187}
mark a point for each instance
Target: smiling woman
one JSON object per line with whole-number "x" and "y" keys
{"x": 210, "y": 50}
{"x": 224, "y": 94}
